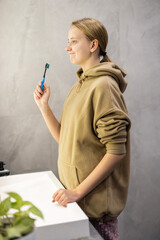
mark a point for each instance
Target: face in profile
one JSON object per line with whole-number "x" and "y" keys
{"x": 78, "y": 46}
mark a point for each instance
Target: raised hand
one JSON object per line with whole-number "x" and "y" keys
{"x": 41, "y": 97}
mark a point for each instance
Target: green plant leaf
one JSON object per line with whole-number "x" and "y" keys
{"x": 12, "y": 232}
{"x": 17, "y": 214}
{"x": 36, "y": 211}
{"x": 2, "y": 238}
{"x": 15, "y": 205}
{"x": 16, "y": 196}
{"x": 27, "y": 203}
{"x": 18, "y": 223}
{"x": 5, "y": 206}
{"x": 22, "y": 225}
{"x": 18, "y": 199}
{"x": 25, "y": 220}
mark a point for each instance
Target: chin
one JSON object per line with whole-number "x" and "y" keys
{"x": 74, "y": 62}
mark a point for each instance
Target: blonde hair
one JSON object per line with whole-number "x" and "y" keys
{"x": 94, "y": 29}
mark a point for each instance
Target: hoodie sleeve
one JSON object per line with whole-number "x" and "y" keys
{"x": 111, "y": 122}
{"x": 111, "y": 129}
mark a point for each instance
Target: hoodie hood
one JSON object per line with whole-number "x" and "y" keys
{"x": 104, "y": 69}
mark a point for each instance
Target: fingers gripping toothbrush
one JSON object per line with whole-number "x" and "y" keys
{"x": 43, "y": 80}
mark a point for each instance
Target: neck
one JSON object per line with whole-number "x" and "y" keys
{"x": 89, "y": 64}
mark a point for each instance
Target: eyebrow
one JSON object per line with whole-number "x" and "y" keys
{"x": 72, "y": 38}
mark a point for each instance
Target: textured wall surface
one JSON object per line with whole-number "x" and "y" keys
{"x": 33, "y": 32}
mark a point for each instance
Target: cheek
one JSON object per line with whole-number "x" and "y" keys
{"x": 86, "y": 49}
{"x": 83, "y": 50}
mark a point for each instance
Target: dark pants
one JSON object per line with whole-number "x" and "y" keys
{"x": 107, "y": 229}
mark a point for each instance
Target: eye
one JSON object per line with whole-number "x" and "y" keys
{"x": 72, "y": 42}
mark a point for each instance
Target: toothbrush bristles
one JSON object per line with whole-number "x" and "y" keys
{"x": 47, "y": 65}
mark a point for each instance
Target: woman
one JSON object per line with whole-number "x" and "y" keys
{"x": 93, "y": 133}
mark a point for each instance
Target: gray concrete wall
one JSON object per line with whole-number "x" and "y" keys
{"x": 33, "y": 32}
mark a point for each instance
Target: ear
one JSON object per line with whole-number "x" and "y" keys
{"x": 94, "y": 45}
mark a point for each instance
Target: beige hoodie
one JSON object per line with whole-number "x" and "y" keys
{"x": 94, "y": 122}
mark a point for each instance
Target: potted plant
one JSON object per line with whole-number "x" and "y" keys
{"x": 16, "y": 217}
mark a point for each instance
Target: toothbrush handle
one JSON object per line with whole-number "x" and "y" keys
{"x": 42, "y": 83}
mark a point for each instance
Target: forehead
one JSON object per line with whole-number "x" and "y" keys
{"x": 74, "y": 32}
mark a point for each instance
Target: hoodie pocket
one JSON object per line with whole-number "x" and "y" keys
{"x": 68, "y": 175}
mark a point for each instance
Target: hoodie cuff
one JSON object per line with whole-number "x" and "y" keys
{"x": 115, "y": 148}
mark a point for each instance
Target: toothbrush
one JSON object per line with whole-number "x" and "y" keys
{"x": 46, "y": 67}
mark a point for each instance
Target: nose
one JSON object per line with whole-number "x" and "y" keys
{"x": 68, "y": 48}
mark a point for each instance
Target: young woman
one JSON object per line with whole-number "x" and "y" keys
{"x": 93, "y": 133}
